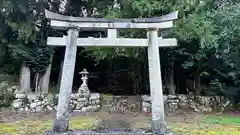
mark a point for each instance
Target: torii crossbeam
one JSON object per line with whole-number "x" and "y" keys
{"x": 63, "y": 22}
{"x": 71, "y": 41}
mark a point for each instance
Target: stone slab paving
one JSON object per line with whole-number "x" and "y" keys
{"x": 106, "y": 132}
{"x": 103, "y": 132}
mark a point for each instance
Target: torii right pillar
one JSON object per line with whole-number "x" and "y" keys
{"x": 158, "y": 122}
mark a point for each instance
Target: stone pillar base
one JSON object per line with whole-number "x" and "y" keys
{"x": 60, "y": 125}
{"x": 159, "y": 127}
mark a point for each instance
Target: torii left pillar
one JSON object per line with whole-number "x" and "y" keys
{"x": 62, "y": 117}
{"x": 158, "y": 122}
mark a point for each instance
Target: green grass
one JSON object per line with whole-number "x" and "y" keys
{"x": 225, "y": 119}
{"x": 228, "y": 125}
{"x": 39, "y": 126}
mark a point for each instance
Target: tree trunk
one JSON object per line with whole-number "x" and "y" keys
{"x": 3, "y": 55}
{"x": 145, "y": 77}
{"x": 197, "y": 81}
{"x": 140, "y": 82}
{"x": 170, "y": 79}
{"x": 197, "y": 85}
{"x": 25, "y": 79}
{"x": 60, "y": 75}
{"x": 172, "y": 86}
{"x": 166, "y": 83}
{"x": 37, "y": 82}
{"x": 177, "y": 86}
{"x": 136, "y": 78}
{"x": 44, "y": 81}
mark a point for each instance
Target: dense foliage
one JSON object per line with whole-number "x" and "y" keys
{"x": 208, "y": 34}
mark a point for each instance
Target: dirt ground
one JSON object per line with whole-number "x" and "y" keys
{"x": 179, "y": 122}
{"x": 105, "y": 119}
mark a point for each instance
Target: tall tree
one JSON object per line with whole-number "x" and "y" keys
{"x": 27, "y": 45}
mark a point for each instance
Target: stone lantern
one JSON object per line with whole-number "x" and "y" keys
{"x": 83, "y": 91}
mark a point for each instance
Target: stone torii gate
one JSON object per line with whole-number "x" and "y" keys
{"x": 74, "y": 24}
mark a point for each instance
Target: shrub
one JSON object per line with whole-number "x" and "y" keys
{"x": 6, "y": 100}
{"x": 6, "y": 95}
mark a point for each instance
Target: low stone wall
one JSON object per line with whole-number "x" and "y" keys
{"x": 110, "y": 102}
{"x": 40, "y": 102}
{"x": 195, "y": 103}
{"x": 93, "y": 102}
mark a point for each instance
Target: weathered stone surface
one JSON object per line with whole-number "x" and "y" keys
{"x": 16, "y": 104}
{"x": 203, "y": 108}
{"x": 93, "y": 102}
{"x": 86, "y": 103}
{"x": 165, "y": 98}
{"x": 146, "y": 98}
{"x": 172, "y": 101}
{"x": 172, "y": 96}
{"x": 20, "y": 96}
{"x": 155, "y": 82}
{"x": 95, "y": 108}
{"x": 203, "y": 104}
{"x": 72, "y": 96}
{"x": 82, "y": 99}
{"x": 13, "y": 89}
{"x": 55, "y": 16}
{"x": 38, "y": 108}
{"x": 40, "y": 103}
{"x": 98, "y": 101}
{"x": 94, "y": 96}
{"x": 197, "y": 104}
{"x": 21, "y": 109}
{"x": 43, "y": 102}
{"x": 75, "y": 102}
{"x": 75, "y": 96}
{"x": 79, "y": 106}
{"x": 146, "y": 106}
{"x": 183, "y": 98}
{"x": 90, "y": 108}
{"x": 26, "y": 109}
{"x": 33, "y": 105}
{"x": 84, "y": 109}
{"x": 49, "y": 108}
{"x": 32, "y": 97}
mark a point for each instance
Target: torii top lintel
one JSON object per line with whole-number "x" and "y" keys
{"x": 63, "y": 22}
